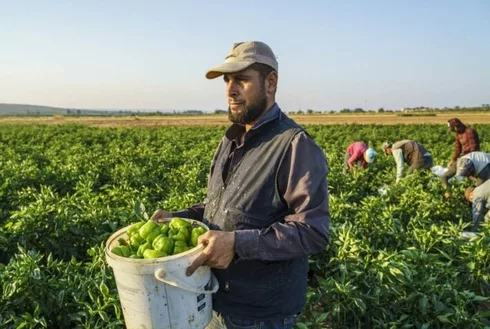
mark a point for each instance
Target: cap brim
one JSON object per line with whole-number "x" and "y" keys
{"x": 232, "y": 67}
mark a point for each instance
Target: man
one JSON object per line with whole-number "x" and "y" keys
{"x": 479, "y": 197}
{"x": 410, "y": 152}
{"x": 267, "y": 200}
{"x": 465, "y": 141}
{"x": 475, "y": 165}
{"x": 360, "y": 153}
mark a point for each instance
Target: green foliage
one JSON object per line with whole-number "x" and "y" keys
{"x": 395, "y": 259}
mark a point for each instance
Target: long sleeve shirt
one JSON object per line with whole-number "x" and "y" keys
{"x": 400, "y": 163}
{"x": 356, "y": 151}
{"x": 465, "y": 143}
{"x": 302, "y": 184}
{"x": 480, "y": 205}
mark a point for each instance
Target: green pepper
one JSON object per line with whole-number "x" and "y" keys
{"x": 147, "y": 228}
{"x": 134, "y": 256}
{"x": 136, "y": 240}
{"x": 150, "y": 253}
{"x": 179, "y": 249}
{"x": 117, "y": 251}
{"x": 153, "y": 235}
{"x": 125, "y": 251}
{"x": 177, "y": 223}
{"x": 180, "y": 237}
{"x": 142, "y": 248}
{"x": 172, "y": 231}
{"x": 164, "y": 229}
{"x": 164, "y": 244}
{"x": 180, "y": 243}
{"x": 196, "y": 232}
{"x": 134, "y": 228}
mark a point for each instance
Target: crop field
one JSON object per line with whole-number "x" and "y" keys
{"x": 395, "y": 259}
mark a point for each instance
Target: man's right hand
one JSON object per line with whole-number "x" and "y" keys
{"x": 159, "y": 215}
{"x": 450, "y": 163}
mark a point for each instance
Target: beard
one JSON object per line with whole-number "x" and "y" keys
{"x": 247, "y": 114}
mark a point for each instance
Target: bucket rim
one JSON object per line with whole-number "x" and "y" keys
{"x": 116, "y": 235}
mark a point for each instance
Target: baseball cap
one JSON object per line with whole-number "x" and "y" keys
{"x": 386, "y": 145}
{"x": 465, "y": 167}
{"x": 241, "y": 56}
{"x": 369, "y": 155}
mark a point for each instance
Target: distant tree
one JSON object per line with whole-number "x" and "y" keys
{"x": 218, "y": 111}
{"x": 381, "y": 110}
{"x": 358, "y": 110}
{"x": 300, "y": 112}
{"x": 345, "y": 111}
{"x": 309, "y": 111}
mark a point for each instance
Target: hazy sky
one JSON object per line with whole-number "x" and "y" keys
{"x": 332, "y": 54}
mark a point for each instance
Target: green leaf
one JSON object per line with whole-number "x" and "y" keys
{"x": 443, "y": 318}
{"x": 104, "y": 289}
{"x": 104, "y": 316}
{"x": 22, "y": 325}
{"x": 322, "y": 317}
{"x": 140, "y": 209}
{"x": 423, "y": 304}
{"x": 360, "y": 304}
{"x": 480, "y": 298}
{"x": 301, "y": 325}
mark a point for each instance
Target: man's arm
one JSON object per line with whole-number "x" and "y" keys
{"x": 473, "y": 141}
{"x": 398, "y": 155}
{"x": 196, "y": 212}
{"x": 477, "y": 212}
{"x": 457, "y": 149}
{"x": 353, "y": 158}
{"x": 305, "y": 230}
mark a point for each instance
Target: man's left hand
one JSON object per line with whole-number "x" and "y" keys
{"x": 219, "y": 250}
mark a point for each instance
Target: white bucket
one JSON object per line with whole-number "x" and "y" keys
{"x": 157, "y": 294}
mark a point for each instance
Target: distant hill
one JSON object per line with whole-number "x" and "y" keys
{"x": 24, "y": 109}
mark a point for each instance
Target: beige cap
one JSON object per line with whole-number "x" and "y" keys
{"x": 242, "y": 55}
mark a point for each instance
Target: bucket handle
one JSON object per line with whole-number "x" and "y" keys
{"x": 161, "y": 276}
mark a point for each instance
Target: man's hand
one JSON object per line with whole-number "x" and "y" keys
{"x": 447, "y": 195}
{"x": 450, "y": 163}
{"x": 218, "y": 252}
{"x": 159, "y": 215}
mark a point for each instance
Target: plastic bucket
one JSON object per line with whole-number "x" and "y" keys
{"x": 157, "y": 294}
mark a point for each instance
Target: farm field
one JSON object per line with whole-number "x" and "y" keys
{"x": 213, "y": 120}
{"x": 395, "y": 259}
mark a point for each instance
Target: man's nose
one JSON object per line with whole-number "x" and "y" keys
{"x": 231, "y": 89}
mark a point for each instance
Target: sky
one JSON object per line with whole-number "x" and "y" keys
{"x": 153, "y": 55}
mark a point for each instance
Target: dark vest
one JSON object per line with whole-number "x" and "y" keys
{"x": 412, "y": 151}
{"x": 250, "y": 200}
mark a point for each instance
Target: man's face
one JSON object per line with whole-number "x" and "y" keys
{"x": 388, "y": 151}
{"x": 247, "y": 97}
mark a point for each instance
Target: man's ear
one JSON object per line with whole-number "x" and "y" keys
{"x": 271, "y": 82}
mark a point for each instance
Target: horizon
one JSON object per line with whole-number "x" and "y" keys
{"x": 120, "y": 55}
